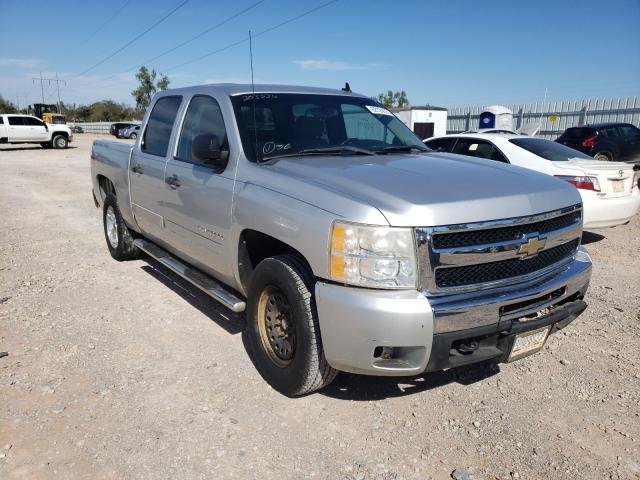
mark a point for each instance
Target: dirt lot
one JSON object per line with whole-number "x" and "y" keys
{"x": 121, "y": 370}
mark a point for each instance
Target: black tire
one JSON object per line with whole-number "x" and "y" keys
{"x": 46, "y": 145}
{"x": 121, "y": 245}
{"x": 604, "y": 156}
{"x": 60, "y": 141}
{"x": 307, "y": 370}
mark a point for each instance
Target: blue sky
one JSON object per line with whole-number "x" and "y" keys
{"x": 447, "y": 53}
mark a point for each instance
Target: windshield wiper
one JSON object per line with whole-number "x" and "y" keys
{"x": 321, "y": 151}
{"x": 403, "y": 148}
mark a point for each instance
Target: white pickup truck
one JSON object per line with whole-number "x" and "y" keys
{"x": 16, "y": 128}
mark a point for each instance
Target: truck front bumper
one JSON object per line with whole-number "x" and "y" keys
{"x": 396, "y": 333}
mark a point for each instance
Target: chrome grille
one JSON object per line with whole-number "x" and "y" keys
{"x": 476, "y": 256}
{"x": 492, "y": 271}
{"x": 504, "y": 234}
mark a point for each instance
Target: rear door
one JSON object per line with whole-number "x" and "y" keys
{"x": 198, "y": 196}
{"x": 148, "y": 159}
{"x": 18, "y": 130}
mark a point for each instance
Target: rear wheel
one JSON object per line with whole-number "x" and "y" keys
{"x": 60, "y": 141}
{"x": 283, "y": 328}
{"x": 118, "y": 236}
{"x": 133, "y": 136}
{"x": 603, "y": 156}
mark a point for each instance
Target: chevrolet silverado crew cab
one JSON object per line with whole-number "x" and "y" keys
{"x": 16, "y": 128}
{"x": 347, "y": 243}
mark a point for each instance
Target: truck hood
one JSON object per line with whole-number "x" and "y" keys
{"x": 429, "y": 189}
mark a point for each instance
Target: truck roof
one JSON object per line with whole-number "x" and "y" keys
{"x": 247, "y": 88}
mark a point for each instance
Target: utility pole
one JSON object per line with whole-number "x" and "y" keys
{"x": 49, "y": 82}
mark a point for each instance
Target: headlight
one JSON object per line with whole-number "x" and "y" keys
{"x": 374, "y": 257}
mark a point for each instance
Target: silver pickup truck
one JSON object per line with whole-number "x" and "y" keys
{"x": 348, "y": 244}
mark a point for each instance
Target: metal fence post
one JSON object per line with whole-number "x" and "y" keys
{"x": 468, "y": 122}
{"x": 583, "y": 116}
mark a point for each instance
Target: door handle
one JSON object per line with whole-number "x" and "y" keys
{"x": 172, "y": 181}
{"x": 137, "y": 168}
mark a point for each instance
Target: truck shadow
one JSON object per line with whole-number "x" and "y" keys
{"x": 347, "y": 386}
{"x": 233, "y": 323}
{"x": 591, "y": 237}
{"x": 31, "y": 147}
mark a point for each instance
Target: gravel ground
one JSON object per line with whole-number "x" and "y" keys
{"x": 121, "y": 370}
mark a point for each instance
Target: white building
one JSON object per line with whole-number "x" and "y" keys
{"x": 425, "y": 122}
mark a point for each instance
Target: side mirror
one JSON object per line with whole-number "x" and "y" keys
{"x": 206, "y": 148}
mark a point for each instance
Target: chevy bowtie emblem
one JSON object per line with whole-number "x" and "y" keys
{"x": 532, "y": 247}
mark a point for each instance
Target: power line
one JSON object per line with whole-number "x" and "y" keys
{"x": 267, "y": 30}
{"x": 101, "y": 27}
{"x": 134, "y": 39}
{"x": 199, "y": 35}
{"x": 204, "y": 32}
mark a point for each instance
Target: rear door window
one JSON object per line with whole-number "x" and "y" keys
{"x": 16, "y": 121}
{"x": 611, "y": 132}
{"x": 474, "y": 147}
{"x": 158, "y": 132}
{"x": 630, "y": 131}
{"x": 441, "y": 144}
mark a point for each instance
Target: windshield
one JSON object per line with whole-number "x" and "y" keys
{"x": 550, "y": 150}
{"x": 290, "y": 123}
{"x": 59, "y": 119}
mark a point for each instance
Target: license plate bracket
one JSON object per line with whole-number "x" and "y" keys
{"x": 618, "y": 186}
{"x": 528, "y": 343}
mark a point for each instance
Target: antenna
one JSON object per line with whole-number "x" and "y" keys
{"x": 253, "y": 98}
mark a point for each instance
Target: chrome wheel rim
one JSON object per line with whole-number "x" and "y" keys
{"x": 60, "y": 142}
{"x": 276, "y": 326}
{"x": 601, "y": 157}
{"x": 111, "y": 225}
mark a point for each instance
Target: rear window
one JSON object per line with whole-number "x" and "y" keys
{"x": 549, "y": 150}
{"x": 578, "y": 133}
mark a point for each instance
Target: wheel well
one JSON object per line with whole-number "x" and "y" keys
{"x": 106, "y": 186}
{"x": 254, "y": 246}
{"x": 55, "y": 134}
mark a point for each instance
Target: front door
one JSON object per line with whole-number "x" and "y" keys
{"x": 197, "y": 206}
{"x": 38, "y": 132}
{"x": 148, "y": 160}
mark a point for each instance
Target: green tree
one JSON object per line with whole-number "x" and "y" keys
{"x": 148, "y": 86}
{"x": 393, "y": 99}
{"x": 7, "y": 106}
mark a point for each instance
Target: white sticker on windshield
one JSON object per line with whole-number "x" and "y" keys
{"x": 378, "y": 110}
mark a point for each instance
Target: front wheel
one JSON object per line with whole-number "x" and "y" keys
{"x": 116, "y": 232}
{"x": 60, "y": 141}
{"x": 133, "y": 136}
{"x": 283, "y": 328}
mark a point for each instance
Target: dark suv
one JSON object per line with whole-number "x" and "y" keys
{"x": 116, "y": 127}
{"x": 605, "y": 141}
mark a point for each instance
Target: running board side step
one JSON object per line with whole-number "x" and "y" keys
{"x": 208, "y": 285}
